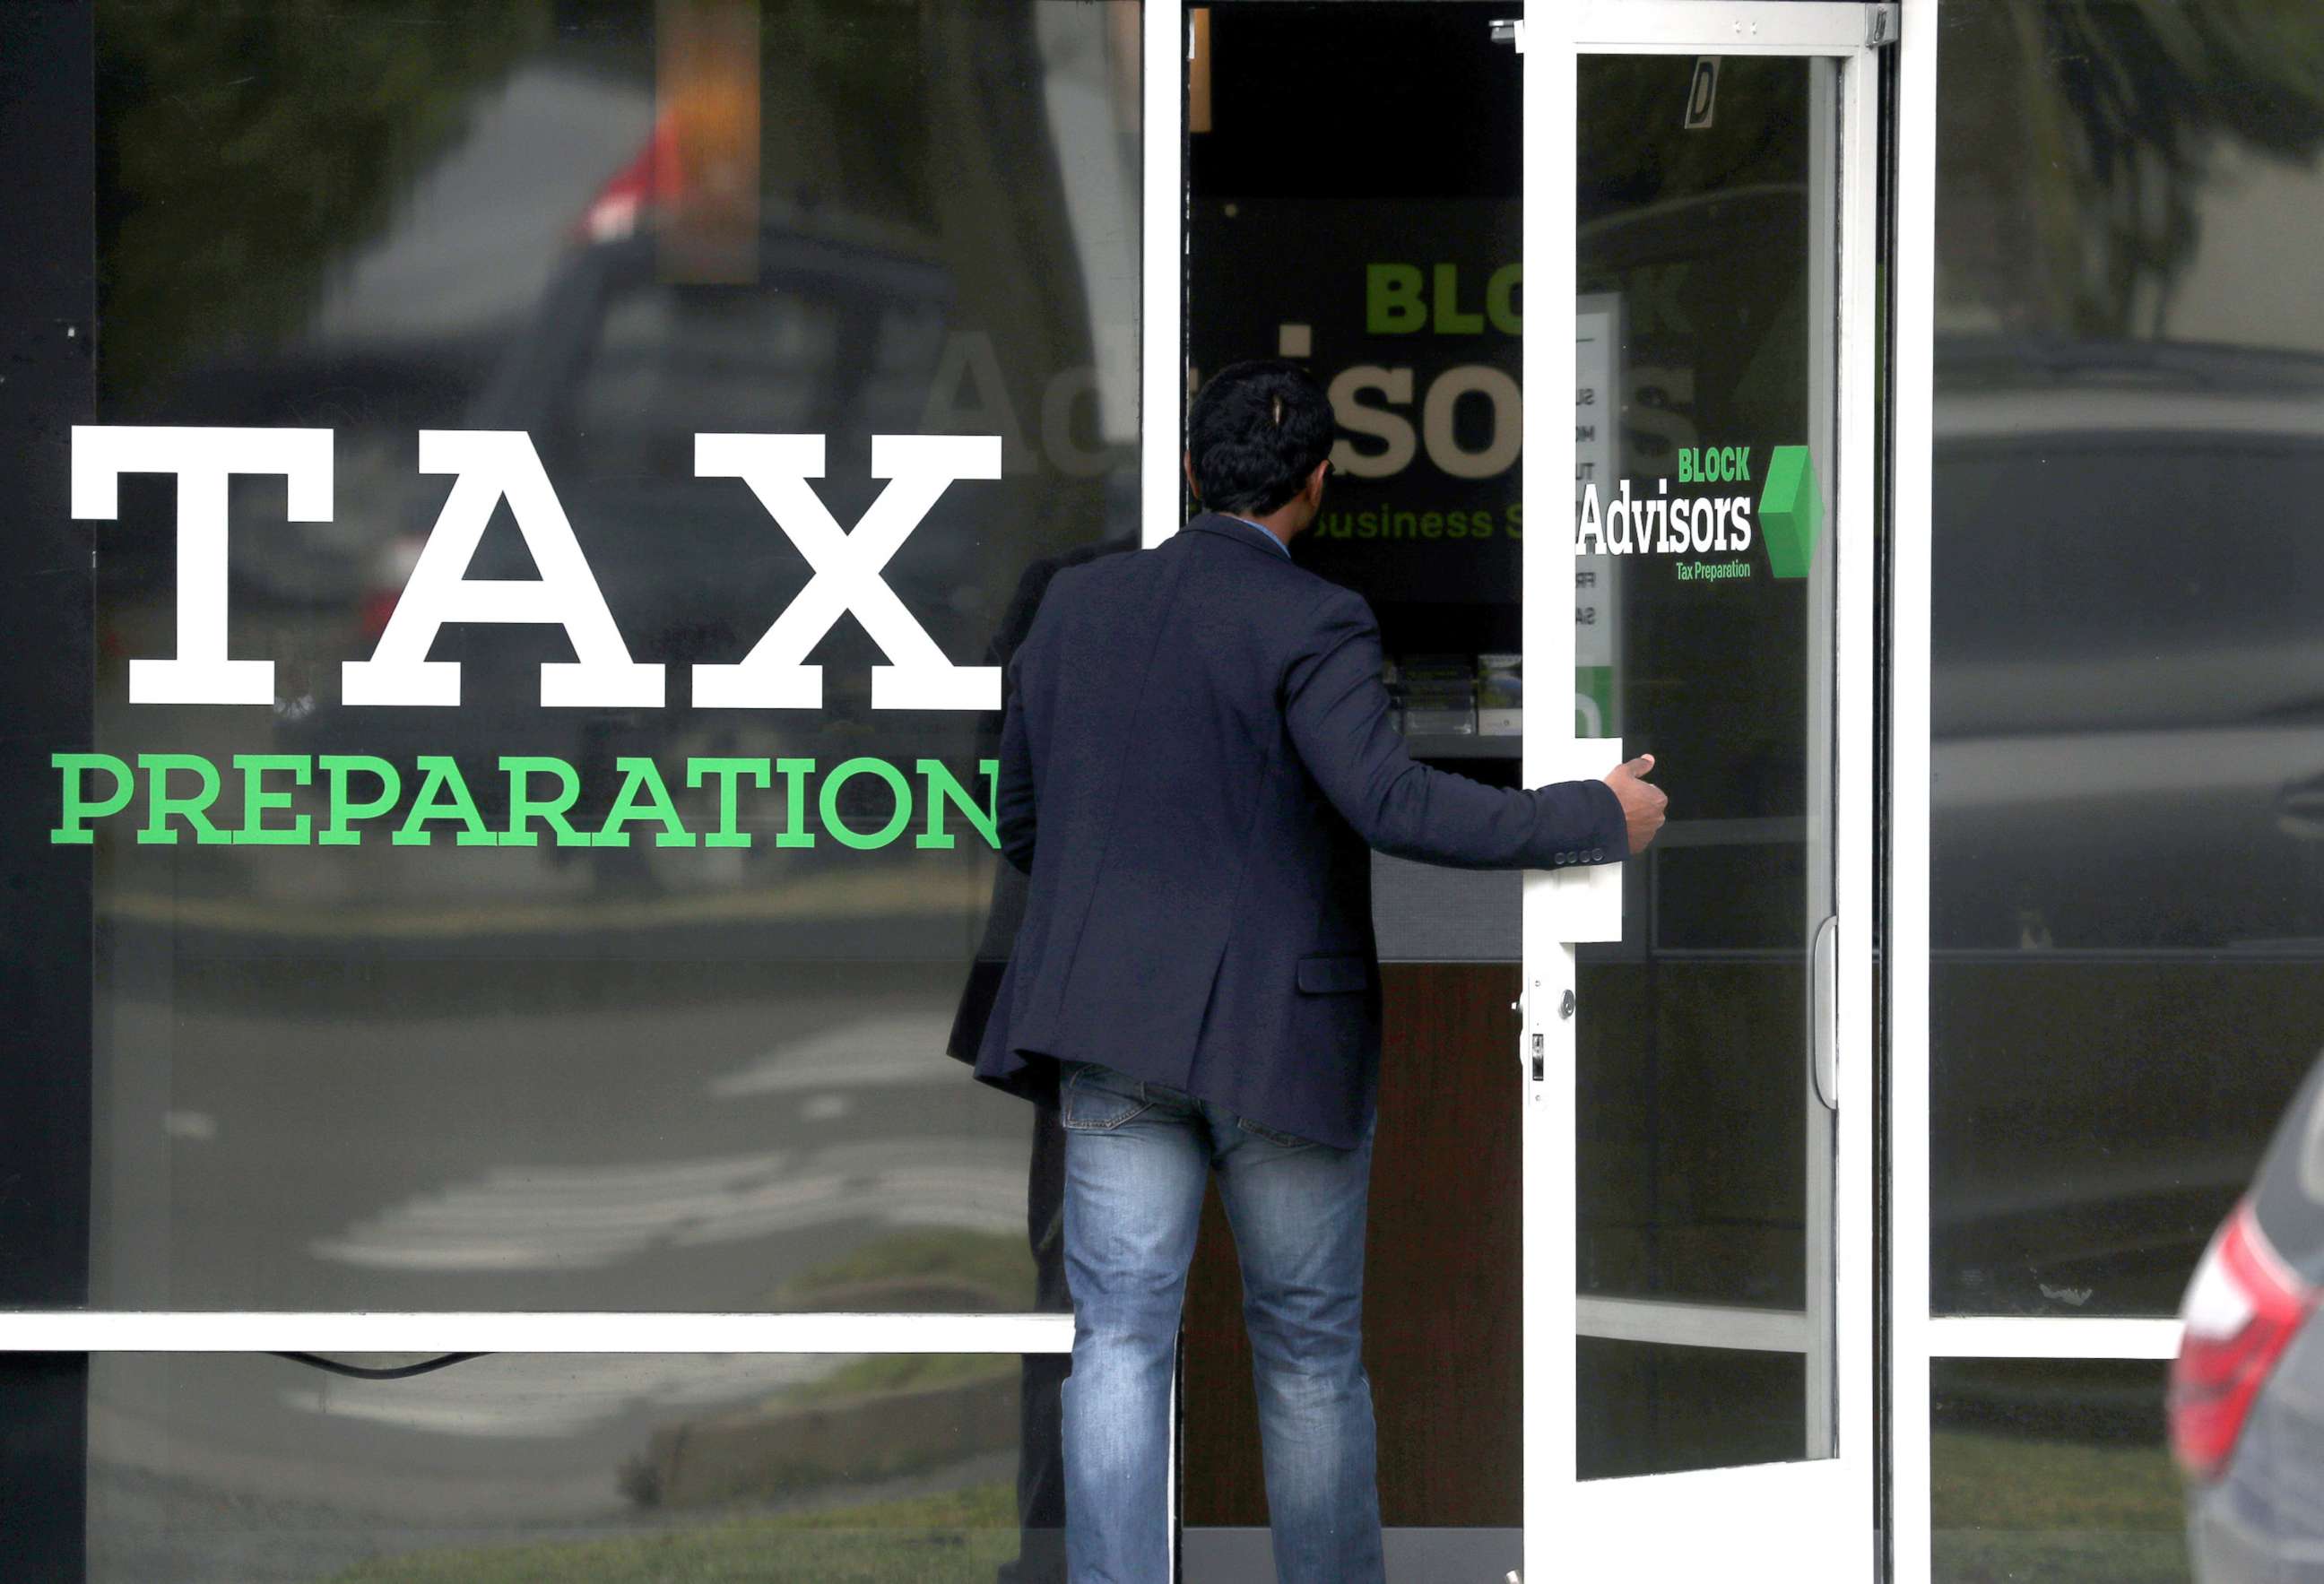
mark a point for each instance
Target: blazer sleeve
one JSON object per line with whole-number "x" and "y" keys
{"x": 1338, "y": 711}
{"x": 1014, "y": 810}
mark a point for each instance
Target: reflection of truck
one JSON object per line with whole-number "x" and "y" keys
{"x": 618, "y": 371}
{"x": 372, "y": 400}
{"x": 2128, "y": 769}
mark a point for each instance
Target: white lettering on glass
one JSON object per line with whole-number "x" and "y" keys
{"x": 202, "y": 460}
{"x": 492, "y": 465}
{"x": 848, "y": 565}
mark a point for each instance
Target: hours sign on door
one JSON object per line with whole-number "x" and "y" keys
{"x": 1596, "y": 452}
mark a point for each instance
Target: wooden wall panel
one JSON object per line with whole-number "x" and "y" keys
{"x": 1442, "y": 1294}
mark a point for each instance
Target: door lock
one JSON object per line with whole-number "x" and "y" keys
{"x": 1536, "y": 1042}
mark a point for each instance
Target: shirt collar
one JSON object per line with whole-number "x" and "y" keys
{"x": 1263, "y": 532}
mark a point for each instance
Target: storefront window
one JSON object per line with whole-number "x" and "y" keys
{"x": 2127, "y": 883}
{"x": 2047, "y": 1468}
{"x": 564, "y": 896}
{"x": 224, "y": 1468}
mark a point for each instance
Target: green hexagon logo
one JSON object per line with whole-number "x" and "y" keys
{"x": 1791, "y": 511}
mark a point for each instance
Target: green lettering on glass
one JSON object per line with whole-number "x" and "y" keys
{"x": 523, "y": 807}
{"x": 257, "y": 797}
{"x": 336, "y": 767}
{"x": 76, "y": 810}
{"x": 1392, "y": 301}
{"x": 1450, "y": 319}
{"x": 443, "y": 777}
{"x": 1501, "y": 300}
{"x": 944, "y": 788}
{"x": 640, "y": 776}
{"x": 161, "y": 803}
{"x": 827, "y": 801}
{"x": 725, "y": 771}
{"x": 795, "y": 772}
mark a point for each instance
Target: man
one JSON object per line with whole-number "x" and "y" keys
{"x": 1196, "y": 753}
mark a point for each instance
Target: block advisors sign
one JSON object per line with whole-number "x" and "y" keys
{"x": 1413, "y": 315}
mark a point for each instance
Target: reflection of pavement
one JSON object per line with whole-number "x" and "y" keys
{"x": 871, "y": 1052}
{"x": 481, "y": 907}
{"x": 520, "y": 1218}
{"x": 548, "y": 1218}
{"x": 234, "y": 1470}
{"x": 534, "y": 1395}
{"x": 656, "y": 1136}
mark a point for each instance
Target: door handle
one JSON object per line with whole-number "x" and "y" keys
{"x": 1824, "y": 1012}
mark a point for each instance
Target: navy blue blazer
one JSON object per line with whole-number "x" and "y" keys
{"x": 1196, "y": 753}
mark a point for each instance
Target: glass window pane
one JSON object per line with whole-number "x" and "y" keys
{"x": 1653, "y": 1408}
{"x": 583, "y": 986}
{"x": 2127, "y": 877}
{"x": 250, "y": 1470}
{"x": 2055, "y": 1469}
{"x": 1705, "y": 331}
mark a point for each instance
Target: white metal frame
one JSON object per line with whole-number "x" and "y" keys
{"x": 1821, "y": 924}
{"x": 1803, "y": 1520}
{"x": 1162, "y": 305}
{"x": 1162, "y": 365}
{"x": 1914, "y": 360}
{"x": 1916, "y": 1336}
{"x": 521, "y": 1332}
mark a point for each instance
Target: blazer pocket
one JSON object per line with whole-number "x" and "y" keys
{"x": 1328, "y": 976}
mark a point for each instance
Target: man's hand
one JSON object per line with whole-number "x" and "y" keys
{"x": 1642, "y": 806}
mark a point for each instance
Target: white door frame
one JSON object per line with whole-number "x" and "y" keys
{"x": 1803, "y": 1520}
{"x": 1162, "y": 289}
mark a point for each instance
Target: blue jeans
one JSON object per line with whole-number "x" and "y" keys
{"x": 1136, "y": 1155}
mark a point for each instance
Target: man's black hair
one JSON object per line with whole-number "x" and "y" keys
{"x": 1257, "y": 430}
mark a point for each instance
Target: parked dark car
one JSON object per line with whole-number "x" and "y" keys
{"x": 2128, "y": 768}
{"x": 2248, "y": 1389}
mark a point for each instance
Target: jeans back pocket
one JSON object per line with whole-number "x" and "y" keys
{"x": 1273, "y": 1135}
{"x": 1096, "y": 1098}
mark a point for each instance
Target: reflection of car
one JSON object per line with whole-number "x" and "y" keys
{"x": 617, "y": 371}
{"x": 371, "y": 399}
{"x": 2125, "y": 618}
{"x": 2127, "y": 716}
{"x": 2247, "y": 1390}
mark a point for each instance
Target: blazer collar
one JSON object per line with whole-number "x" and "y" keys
{"x": 1228, "y": 528}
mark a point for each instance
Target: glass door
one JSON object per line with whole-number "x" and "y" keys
{"x": 1696, "y": 1049}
